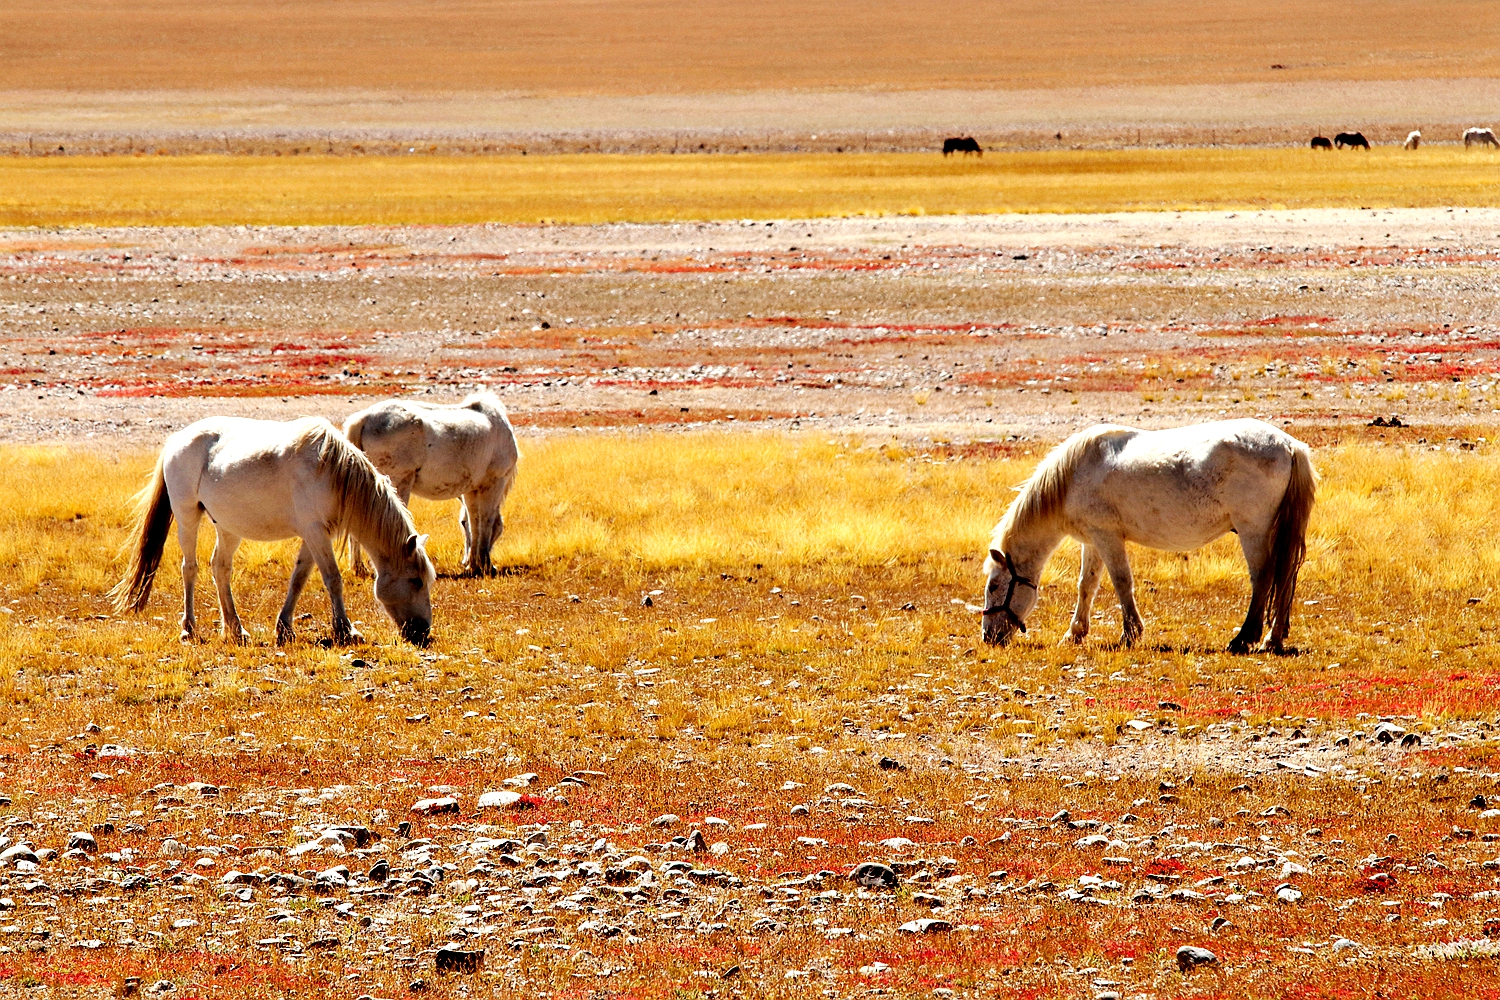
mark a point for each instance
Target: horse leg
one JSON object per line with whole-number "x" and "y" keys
{"x": 321, "y": 548}
{"x": 187, "y": 540}
{"x": 285, "y": 633}
{"x": 466, "y": 522}
{"x": 1089, "y": 574}
{"x": 1111, "y": 549}
{"x": 357, "y": 559}
{"x": 1255, "y": 543}
{"x": 483, "y": 510}
{"x": 223, "y": 566}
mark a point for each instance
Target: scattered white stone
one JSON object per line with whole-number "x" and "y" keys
{"x": 498, "y": 799}
{"x": 1190, "y": 957}
{"x": 435, "y": 807}
{"x": 520, "y": 780}
{"x": 925, "y": 925}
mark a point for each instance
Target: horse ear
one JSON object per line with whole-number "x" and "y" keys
{"x": 409, "y": 547}
{"x": 996, "y": 556}
{"x": 422, "y": 541}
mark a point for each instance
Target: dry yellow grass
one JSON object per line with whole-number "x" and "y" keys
{"x": 1390, "y": 524}
{"x": 634, "y": 46}
{"x": 777, "y": 660}
{"x": 316, "y": 190}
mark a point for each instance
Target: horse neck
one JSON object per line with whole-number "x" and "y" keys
{"x": 1031, "y": 540}
{"x": 368, "y": 509}
{"x": 370, "y": 525}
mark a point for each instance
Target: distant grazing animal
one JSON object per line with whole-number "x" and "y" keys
{"x": 1413, "y": 140}
{"x": 966, "y": 145}
{"x": 1322, "y": 142}
{"x": 1354, "y": 140}
{"x": 1483, "y": 136}
{"x": 1174, "y": 489}
{"x": 266, "y": 480}
{"x": 444, "y": 452}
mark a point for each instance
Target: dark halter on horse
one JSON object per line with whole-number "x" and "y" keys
{"x": 1004, "y": 608}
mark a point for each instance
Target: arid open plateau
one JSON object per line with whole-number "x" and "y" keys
{"x": 731, "y": 655}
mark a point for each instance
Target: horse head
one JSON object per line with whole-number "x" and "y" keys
{"x": 403, "y": 586}
{"x": 1008, "y": 599}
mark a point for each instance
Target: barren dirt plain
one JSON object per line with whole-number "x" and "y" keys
{"x": 791, "y": 437}
{"x": 961, "y": 328}
{"x": 655, "y": 75}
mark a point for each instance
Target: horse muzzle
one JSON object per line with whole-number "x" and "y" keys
{"x": 417, "y": 631}
{"x": 998, "y": 625}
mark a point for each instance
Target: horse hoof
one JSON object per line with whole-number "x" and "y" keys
{"x": 243, "y": 639}
{"x": 1239, "y": 647}
{"x": 350, "y": 638}
{"x": 1073, "y": 639}
{"x": 185, "y": 637}
{"x": 284, "y": 634}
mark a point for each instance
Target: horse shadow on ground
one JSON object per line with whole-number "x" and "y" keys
{"x": 498, "y": 571}
{"x": 1202, "y": 650}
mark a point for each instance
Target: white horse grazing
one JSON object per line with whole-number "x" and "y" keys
{"x": 1413, "y": 140}
{"x": 1175, "y": 489}
{"x": 1483, "y": 136}
{"x": 265, "y": 480}
{"x": 441, "y": 452}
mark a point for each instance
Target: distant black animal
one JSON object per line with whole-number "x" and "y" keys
{"x": 1321, "y": 142}
{"x": 966, "y": 145}
{"x": 1353, "y": 140}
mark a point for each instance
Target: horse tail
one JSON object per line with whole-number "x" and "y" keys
{"x": 1289, "y": 537}
{"x": 155, "y": 520}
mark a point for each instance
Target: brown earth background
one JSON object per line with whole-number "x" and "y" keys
{"x": 653, "y": 76}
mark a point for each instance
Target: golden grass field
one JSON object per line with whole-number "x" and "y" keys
{"x": 657, "y": 46}
{"x": 1397, "y": 534}
{"x": 778, "y": 651}
{"x": 317, "y": 190}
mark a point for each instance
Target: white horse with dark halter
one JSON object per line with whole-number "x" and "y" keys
{"x": 443, "y": 452}
{"x": 1173, "y": 489}
{"x": 1483, "y": 136}
{"x": 265, "y": 480}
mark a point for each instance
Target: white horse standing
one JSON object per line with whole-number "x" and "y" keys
{"x": 1413, "y": 140}
{"x": 1483, "y": 136}
{"x": 1174, "y": 489}
{"x": 265, "y": 480}
{"x": 442, "y": 452}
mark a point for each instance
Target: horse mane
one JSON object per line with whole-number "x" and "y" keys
{"x": 368, "y": 507}
{"x": 1046, "y": 491}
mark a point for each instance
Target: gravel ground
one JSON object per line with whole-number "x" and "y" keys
{"x": 950, "y": 329}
